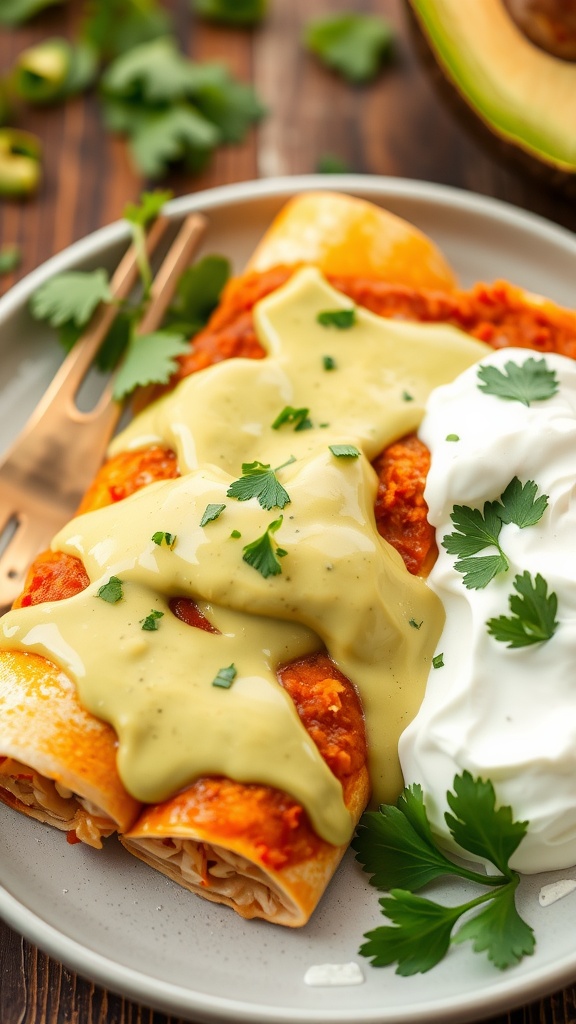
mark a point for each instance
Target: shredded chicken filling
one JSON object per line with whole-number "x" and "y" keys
{"x": 51, "y": 802}
{"x": 205, "y": 868}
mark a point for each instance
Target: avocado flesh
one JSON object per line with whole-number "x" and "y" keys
{"x": 523, "y": 94}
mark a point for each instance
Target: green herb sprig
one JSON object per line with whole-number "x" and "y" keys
{"x": 527, "y": 382}
{"x": 395, "y": 845}
{"x": 261, "y": 553}
{"x": 477, "y": 530}
{"x": 533, "y": 618}
{"x": 259, "y": 481}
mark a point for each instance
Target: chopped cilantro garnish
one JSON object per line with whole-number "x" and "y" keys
{"x": 150, "y": 623}
{"x": 235, "y": 534}
{"x": 211, "y": 512}
{"x": 533, "y": 618}
{"x": 259, "y": 480}
{"x": 342, "y": 319}
{"x": 111, "y": 591}
{"x": 225, "y": 677}
{"x": 10, "y": 258}
{"x": 414, "y": 624}
{"x": 197, "y": 294}
{"x": 407, "y": 397}
{"x": 149, "y": 359}
{"x": 329, "y": 163}
{"x": 356, "y": 45}
{"x": 298, "y": 417}
{"x": 328, "y": 362}
{"x": 260, "y": 554}
{"x": 396, "y": 846}
{"x": 164, "y": 538}
{"x": 232, "y": 12}
{"x": 452, "y": 437}
{"x": 530, "y": 381}
{"x": 477, "y": 530}
{"x": 438, "y": 661}
{"x": 174, "y": 109}
{"x": 349, "y": 451}
{"x": 71, "y": 297}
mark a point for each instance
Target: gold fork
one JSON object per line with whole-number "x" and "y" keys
{"x": 46, "y": 471}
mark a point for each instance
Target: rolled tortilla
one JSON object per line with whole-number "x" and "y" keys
{"x": 57, "y": 762}
{"x": 252, "y": 847}
{"x": 244, "y": 845}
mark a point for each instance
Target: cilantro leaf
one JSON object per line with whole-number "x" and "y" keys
{"x": 260, "y": 553}
{"x": 147, "y": 208}
{"x": 116, "y": 26}
{"x": 211, "y": 512}
{"x": 499, "y": 930}
{"x": 421, "y": 938}
{"x": 165, "y": 137}
{"x": 161, "y": 537}
{"x": 230, "y": 105}
{"x": 329, "y": 163}
{"x": 355, "y": 45}
{"x": 258, "y": 480}
{"x": 225, "y": 677}
{"x": 150, "y": 623}
{"x": 297, "y": 417}
{"x": 526, "y": 382}
{"x": 174, "y": 109}
{"x": 342, "y": 319}
{"x": 198, "y": 293}
{"x": 232, "y": 12}
{"x": 533, "y": 618}
{"x": 344, "y": 451}
{"x": 14, "y": 12}
{"x": 480, "y": 828}
{"x": 396, "y": 847}
{"x": 154, "y": 72}
{"x": 111, "y": 591}
{"x": 520, "y": 504}
{"x": 10, "y": 258}
{"x": 70, "y": 296}
{"x": 476, "y": 530}
{"x": 139, "y": 215}
{"x": 149, "y": 359}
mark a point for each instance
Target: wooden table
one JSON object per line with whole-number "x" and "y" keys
{"x": 405, "y": 124}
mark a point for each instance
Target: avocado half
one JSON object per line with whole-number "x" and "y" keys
{"x": 524, "y": 95}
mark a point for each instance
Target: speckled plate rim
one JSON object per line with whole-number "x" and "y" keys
{"x": 506, "y": 990}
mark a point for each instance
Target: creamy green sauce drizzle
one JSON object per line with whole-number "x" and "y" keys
{"x": 341, "y": 585}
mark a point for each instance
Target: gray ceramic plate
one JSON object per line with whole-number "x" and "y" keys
{"x": 116, "y": 921}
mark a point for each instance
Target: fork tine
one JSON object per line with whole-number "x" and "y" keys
{"x": 58, "y": 433}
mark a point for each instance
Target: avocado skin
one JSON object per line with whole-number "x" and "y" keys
{"x": 465, "y": 38}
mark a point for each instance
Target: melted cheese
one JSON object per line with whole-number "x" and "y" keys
{"x": 341, "y": 585}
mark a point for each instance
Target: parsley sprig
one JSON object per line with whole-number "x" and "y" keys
{"x": 395, "y": 845}
{"x": 533, "y": 618}
{"x": 478, "y": 529}
{"x": 259, "y": 481}
{"x": 262, "y": 555}
{"x": 530, "y": 381}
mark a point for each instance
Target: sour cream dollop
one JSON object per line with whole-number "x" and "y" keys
{"x": 508, "y": 715}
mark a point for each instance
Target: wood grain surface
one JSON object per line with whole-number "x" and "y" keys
{"x": 405, "y": 124}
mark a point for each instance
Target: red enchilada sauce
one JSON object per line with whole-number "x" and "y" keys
{"x": 496, "y": 314}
